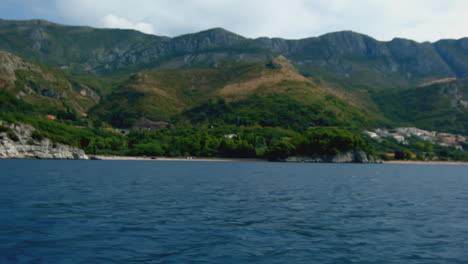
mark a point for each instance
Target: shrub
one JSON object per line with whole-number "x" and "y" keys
{"x": 280, "y": 151}
{"x": 12, "y": 135}
{"x": 149, "y": 149}
{"x": 37, "y": 135}
{"x": 404, "y": 155}
{"x": 384, "y": 157}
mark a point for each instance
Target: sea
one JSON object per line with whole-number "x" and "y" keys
{"x": 231, "y": 212}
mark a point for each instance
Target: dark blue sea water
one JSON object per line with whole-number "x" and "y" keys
{"x": 231, "y": 212}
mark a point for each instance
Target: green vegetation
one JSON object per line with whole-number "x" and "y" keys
{"x": 76, "y": 46}
{"x": 404, "y": 155}
{"x": 278, "y": 110}
{"x": 248, "y": 142}
{"x": 91, "y": 140}
{"x": 51, "y": 90}
{"x": 317, "y": 142}
{"x": 10, "y": 134}
{"x": 274, "y": 111}
{"x": 273, "y": 143}
{"x": 159, "y": 95}
{"x": 9, "y": 103}
{"x": 234, "y": 93}
{"x": 273, "y": 121}
{"x": 37, "y": 135}
{"x": 437, "y": 107}
{"x": 331, "y": 141}
{"x": 103, "y": 85}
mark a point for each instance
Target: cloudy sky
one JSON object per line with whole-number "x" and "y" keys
{"x": 421, "y": 20}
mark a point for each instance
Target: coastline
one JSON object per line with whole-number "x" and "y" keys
{"x": 206, "y": 159}
{"x": 421, "y": 162}
{"x": 123, "y": 158}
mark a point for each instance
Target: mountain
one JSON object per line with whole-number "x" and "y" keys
{"x": 340, "y": 78}
{"x": 440, "y": 106}
{"x": 269, "y": 94}
{"x": 348, "y": 58}
{"x": 224, "y": 95}
{"x": 48, "y": 90}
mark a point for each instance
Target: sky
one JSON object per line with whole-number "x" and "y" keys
{"x": 420, "y": 20}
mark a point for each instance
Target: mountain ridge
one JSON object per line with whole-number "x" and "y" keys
{"x": 348, "y": 63}
{"x": 216, "y": 28}
{"x": 346, "y": 55}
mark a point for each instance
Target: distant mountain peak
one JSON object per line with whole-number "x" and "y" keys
{"x": 345, "y": 34}
{"x": 36, "y": 22}
{"x": 217, "y": 32}
{"x": 343, "y": 54}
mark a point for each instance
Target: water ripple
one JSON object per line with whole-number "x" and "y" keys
{"x": 195, "y": 212}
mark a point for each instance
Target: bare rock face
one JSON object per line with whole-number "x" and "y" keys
{"x": 19, "y": 143}
{"x": 9, "y": 63}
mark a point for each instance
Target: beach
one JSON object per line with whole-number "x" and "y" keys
{"x": 105, "y": 157}
{"x": 421, "y": 162}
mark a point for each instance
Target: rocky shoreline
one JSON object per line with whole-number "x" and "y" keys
{"x": 17, "y": 142}
{"x": 351, "y": 156}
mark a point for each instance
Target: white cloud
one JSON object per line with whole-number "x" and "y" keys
{"x": 421, "y": 20}
{"x": 112, "y": 21}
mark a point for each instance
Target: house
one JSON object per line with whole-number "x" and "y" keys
{"x": 230, "y": 136}
{"x": 371, "y": 134}
{"x": 448, "y": 140}
{"x": 461, "y": 139}
{"x": 400, "y": 139}
{"x": 145, "y": 124}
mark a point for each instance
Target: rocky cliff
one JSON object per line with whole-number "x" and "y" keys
{"x": 20, "y": 141}
{"x": 9, "y": 64}
{"x": 345, "y": 157}
{"x": 39, "y": 85}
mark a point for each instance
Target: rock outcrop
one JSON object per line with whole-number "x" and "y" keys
{"x": 33, "y": 83}
{"x": 17, "y": 142}
{"x": 10, "y": 63}
{"x": 351, "y": 156}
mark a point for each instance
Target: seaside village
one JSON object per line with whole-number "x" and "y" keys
{"x": 402, "y": 134}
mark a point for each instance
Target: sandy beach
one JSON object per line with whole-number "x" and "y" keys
{"x": 102, "y": 157}
{"x": 414, "y": 162}
{"x": 420, "y": 162}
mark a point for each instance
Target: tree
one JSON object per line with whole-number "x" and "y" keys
{"x": 280, "y": 150}
{"x": 404, "y": 155}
